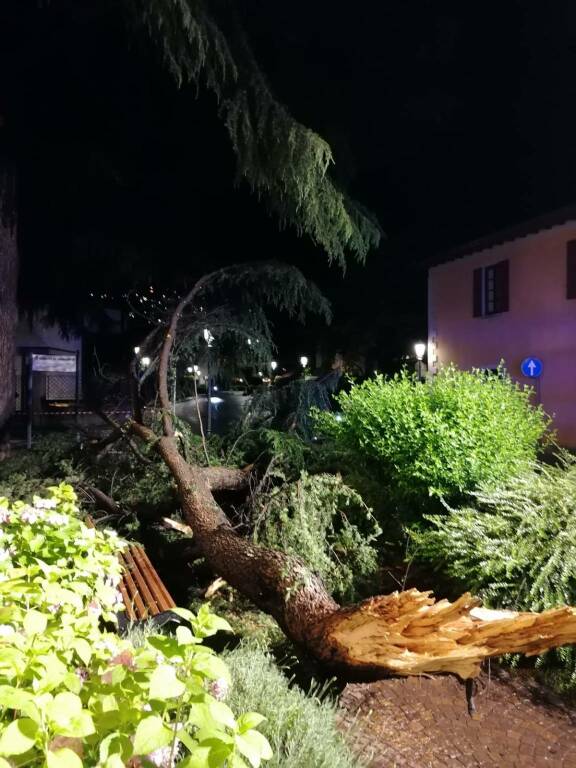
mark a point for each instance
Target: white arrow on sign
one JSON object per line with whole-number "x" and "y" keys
{"x": 532, "y": 367}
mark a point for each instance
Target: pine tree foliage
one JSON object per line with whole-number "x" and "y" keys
{"x": 516, "y": 546}
{"x": 284, "y": 162}
{"x": 326, "y": 523}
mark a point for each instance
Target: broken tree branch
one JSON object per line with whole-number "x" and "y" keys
{"x": 119, "y": 433}
{"x": 102, "y": 500}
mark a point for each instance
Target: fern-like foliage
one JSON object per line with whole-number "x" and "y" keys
{"x": 284, "y": 162}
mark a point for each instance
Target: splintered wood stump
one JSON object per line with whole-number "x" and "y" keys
{"x": 409, "y": 633}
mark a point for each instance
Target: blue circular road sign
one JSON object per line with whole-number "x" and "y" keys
{"x": 531, "y": 367}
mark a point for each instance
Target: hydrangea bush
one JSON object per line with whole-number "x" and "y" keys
{"x": 74, "y": 694}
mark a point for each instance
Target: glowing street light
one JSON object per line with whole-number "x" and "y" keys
{"x": 273, "y": 365}
{"x": 303, "y": 361}
{"x": 419, "y": 349}
{"x": 145, "y": 362}
{"x": 208, "y": 337}
{"x": 189, "y": 369}
{"x": 136, "y": 350}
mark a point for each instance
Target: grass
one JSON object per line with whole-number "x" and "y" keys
{"x": 300, "y": 727}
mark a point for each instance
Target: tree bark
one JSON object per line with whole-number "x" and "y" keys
{"x": 406, "y": 633}
{"x": 8, "y": 296}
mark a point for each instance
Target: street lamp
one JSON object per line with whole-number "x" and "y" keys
{"x": 136, "y": 350}
{"x": 273, "y": 365}
{"x": 303, "y": 361}
{"x": 419, "y": 349}
{"x": 189, "y": 369}
{"x": 208, "y": 338}
{"x": 145, "y": 362}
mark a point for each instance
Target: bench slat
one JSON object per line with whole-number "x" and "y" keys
{"x": 157, "y": 586}
{"x": 127, "y": 602}
{"x": 153, "y": 582}
{"x": 142, "y": 589}
{"x": 144, "y": 593}
{"x": 135, "y": 599}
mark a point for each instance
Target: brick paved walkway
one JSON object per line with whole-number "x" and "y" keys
{"x": 424, "y": 723}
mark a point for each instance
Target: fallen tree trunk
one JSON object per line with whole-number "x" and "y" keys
{"x": 406, "y": 633}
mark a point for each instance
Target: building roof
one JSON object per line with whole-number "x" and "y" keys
{"x": 529, "y": 227}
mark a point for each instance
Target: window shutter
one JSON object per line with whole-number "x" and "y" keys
{"x": 477, "y": 292}
{"x": 571, "y": 269}
{"x": 501, "y": 289}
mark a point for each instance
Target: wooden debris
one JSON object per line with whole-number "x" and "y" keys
{"x": 409, "y": 633}
{"x": 214, "y": 587}
{"x": 174, "y": 525}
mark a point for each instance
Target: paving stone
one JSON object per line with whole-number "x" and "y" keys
{"x": 424, "y": 723}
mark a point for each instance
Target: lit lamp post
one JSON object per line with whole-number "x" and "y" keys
{"x": 208, "y": 338}
{"x": 273, "y": 366}
{"x": 304, "y": 363}
{"x": 419, "y": 349}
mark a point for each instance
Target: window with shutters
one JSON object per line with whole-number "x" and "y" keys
{"x": 490, "y": 289}
{"x": 571, "y": 269}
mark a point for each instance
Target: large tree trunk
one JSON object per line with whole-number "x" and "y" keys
{"x": 404, "y": 633}
{"x": 8, "y": 299}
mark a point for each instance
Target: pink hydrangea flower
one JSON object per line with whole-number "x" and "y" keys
{"x": 219, "y": 688}
{"x": 45, "y": 503}
{"x": 55, "y": 518}
{"x": 29, "y": 515}
{"x": 163, "y": 757}
{"x": 82, "y": 674}
{"x": 4, "y": 555}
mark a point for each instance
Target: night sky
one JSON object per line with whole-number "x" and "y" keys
{"x": 447, "y": 119}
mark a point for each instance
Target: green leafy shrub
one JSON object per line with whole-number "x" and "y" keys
{"x": 517, "y": 546}
{"x": 324, "y": 522}
{"x": 300, "y": 728}
{"x": 73, "y": 694}
{"x": 441, "y": 438}
{"x": 28, "y": 472}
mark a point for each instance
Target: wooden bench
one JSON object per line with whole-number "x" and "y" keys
{"x": 143, "y": 591}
